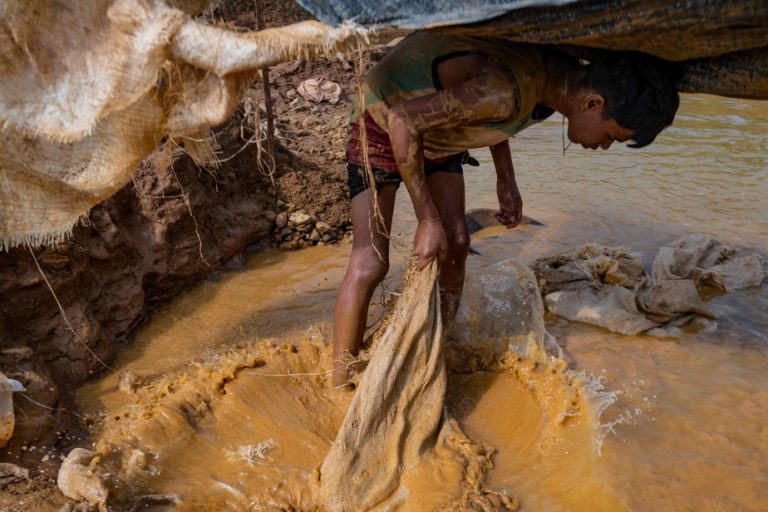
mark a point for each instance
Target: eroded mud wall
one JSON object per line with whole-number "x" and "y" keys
{"x": 140, "y": 248}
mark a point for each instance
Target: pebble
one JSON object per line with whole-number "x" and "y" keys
{"x": 270, "y": 216}
{"x": 308, "y": 122}
{"x": 300, "y": 218}
{"x": 323, "y": 227}
{"x": 281, "y": 220}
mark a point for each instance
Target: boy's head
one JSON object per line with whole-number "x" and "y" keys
{"x": 622, "y": 96}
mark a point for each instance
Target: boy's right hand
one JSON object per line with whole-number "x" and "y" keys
{"x": 429, "y": 241}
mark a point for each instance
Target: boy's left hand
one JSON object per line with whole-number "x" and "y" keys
{"x": 510, "y": 205}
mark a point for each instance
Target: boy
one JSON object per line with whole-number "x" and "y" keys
{"x": 433, "y": 97}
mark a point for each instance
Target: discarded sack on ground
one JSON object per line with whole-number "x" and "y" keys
{"x": 609, "y": 288}
{"x": 320, "y": 89}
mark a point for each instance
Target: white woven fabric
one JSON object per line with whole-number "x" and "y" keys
{"x": 89, "y": 87}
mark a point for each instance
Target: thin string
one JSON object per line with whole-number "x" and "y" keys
{"x": 63, "y": 314}
{"x": 47, "y": 407}
{"x": 377, "y": 219}
{"x": 562, "y": 133}
{"x": 315, "y": 374}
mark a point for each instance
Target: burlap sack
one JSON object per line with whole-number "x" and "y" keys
{"x": 89, "y": 87}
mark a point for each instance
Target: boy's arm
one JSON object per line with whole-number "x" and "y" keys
{"x": 486, "y": 98}
{"x": 510, "y": 202}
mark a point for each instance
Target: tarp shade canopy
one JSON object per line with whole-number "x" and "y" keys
{"x": 722, "y": 46}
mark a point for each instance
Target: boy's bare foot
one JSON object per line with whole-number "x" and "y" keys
{"x": 341, "y": 376}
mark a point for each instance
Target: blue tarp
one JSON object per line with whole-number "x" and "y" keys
{"x": 414, "y": 15}
{"x": 722, "y": 45}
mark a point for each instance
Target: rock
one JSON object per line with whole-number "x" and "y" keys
{"x": 16, "y": 353}
{"x": 286, "y": 232}
{"x": 323, "y": 228}
{"x": 129, "y": 381}
{"x": 7, "y": 418}
{"x": 308, "y": 121}
{"x": 299, "y": 218}
{"x": 314, "y": 236}
{"x": 327, "y": 237}
{"x": 270, "y": 216}
{"x": 53, "y": 259}
{"x": 77, "y": 479}
{"x": 10, "y": 473}
{"x": 281, "y": 220}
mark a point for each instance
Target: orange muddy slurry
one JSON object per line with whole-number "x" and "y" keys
{"x": 231, "y": 406}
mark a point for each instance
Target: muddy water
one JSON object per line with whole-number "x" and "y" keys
{"x": 245, "y": 426}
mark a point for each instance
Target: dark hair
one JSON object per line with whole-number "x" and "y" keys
{"x": 639, "y": 91}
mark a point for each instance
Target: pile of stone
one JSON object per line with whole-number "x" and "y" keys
{"x": 297, "y": 229}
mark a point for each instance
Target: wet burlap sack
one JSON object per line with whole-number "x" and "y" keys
{"x": 88, "y": 88}
{"x": 397, "y": 418}
{"x": 396, "y": 412}
{"x": 608, "y": 287}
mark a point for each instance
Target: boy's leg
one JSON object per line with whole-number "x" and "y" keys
{"x": 366, "y": 270}
{"x": 447, "y": 190}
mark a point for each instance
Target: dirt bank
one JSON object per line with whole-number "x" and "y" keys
{"x": 162, "y": 234}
